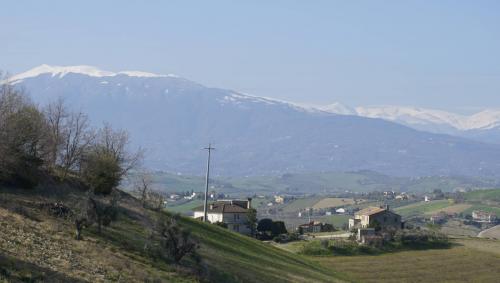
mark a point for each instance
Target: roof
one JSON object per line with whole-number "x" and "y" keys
{"x": 223, "y": 207}
{"x": 370, "y": 210}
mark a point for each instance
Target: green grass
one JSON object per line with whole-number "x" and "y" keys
{"x": 336, "y": 220}
{"x": 486, "y": 208}
{"x": 185, "y": 207}
{"x": 242, "y": 259}
{"x": 483, "y": 195}
{"x": 421, "y": 208}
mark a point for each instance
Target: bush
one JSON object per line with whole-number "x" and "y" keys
{"x": 101, "y": 172}
{"x": 421, "y": 239}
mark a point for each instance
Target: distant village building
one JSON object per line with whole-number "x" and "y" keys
{"x": 233, "y": 213}
{"x": 483, "y": 216}
{"x": 375, "y": 216}
{"x": 427, "y": 198}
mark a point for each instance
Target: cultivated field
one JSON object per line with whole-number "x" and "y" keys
{"x": 492, "y": 233}
{"x": 452, "y": 209}
{"x": 334, "y": 202}
{"x": 471, "y": 260}
{"x": 301, "y": 204}
{"x": 420, "y": 208}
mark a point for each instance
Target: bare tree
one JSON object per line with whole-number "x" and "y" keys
{"x": 115, "y": 143}
{"x": 143, "y": 188}
{"x": 175, "y": 240}
{"x": 56, "y": 115}
{"x": 156, "y": 200}
{"x": 77, "y": 137}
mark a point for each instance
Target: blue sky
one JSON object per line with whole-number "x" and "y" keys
{"x": 441, "y": 54}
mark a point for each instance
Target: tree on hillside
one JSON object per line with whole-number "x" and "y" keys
{"x": 252, "y": 220}
{"x": 55, "y": 114}
{"x": 156, "y": 200}
{"x": 143, "y": 187}
{"x": 102, "y": 211}
{"x": 175, "y": 241}
{"x": 23, "y": 141}
{"x": 77, "y": 138}
{"x": 108, "y": 160}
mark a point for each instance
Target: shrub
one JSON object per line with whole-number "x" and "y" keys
{"x": 421, "y": 239}
{"x": 175, "y": 242}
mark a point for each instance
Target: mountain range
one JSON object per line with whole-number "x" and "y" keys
{"x": 482, "y": 126}
{"x": 174, "y": 118}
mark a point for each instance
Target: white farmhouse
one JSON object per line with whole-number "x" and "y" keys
{"x": 233, "y": 213}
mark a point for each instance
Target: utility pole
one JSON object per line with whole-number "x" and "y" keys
{"x": 205, "y": 205}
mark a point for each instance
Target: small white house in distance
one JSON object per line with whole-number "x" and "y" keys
{"x": 233, "y": 213}
{"x": 427, "y": 199}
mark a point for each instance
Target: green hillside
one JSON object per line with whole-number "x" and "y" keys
{"x": 36, "y": 246}
{"x": 242, "y": 259}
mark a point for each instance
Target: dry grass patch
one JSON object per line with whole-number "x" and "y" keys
{"x": 464, "y": 262}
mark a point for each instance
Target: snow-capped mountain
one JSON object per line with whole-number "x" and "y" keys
{"x": 61, "y": 71}
{"x": 431, "y": 120}
{"x": 173, "y": 118}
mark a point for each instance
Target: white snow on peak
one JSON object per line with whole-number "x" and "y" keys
{"x": 418, "y": 117}
{"x": 338, "y": 108}
{"x": 145, "y": 74}
{"x": 61, "y": 71}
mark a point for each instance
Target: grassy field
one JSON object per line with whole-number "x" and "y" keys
{"x": 487, "y": 208}
{"x": 300, "y": 204}
{"x": 452, "y": 209}
{"x": 483, "y": 195}
{"x": 468, "y": 261}
{"x": 421, "y": 208}
{"x": 185, "y": 207}
{"x": 333, "y": 202}
{"x": 249, "y": 260}
{"x": 336, "y": 220}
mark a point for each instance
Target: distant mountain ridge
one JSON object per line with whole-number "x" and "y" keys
{"x": 174, "y": 118}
